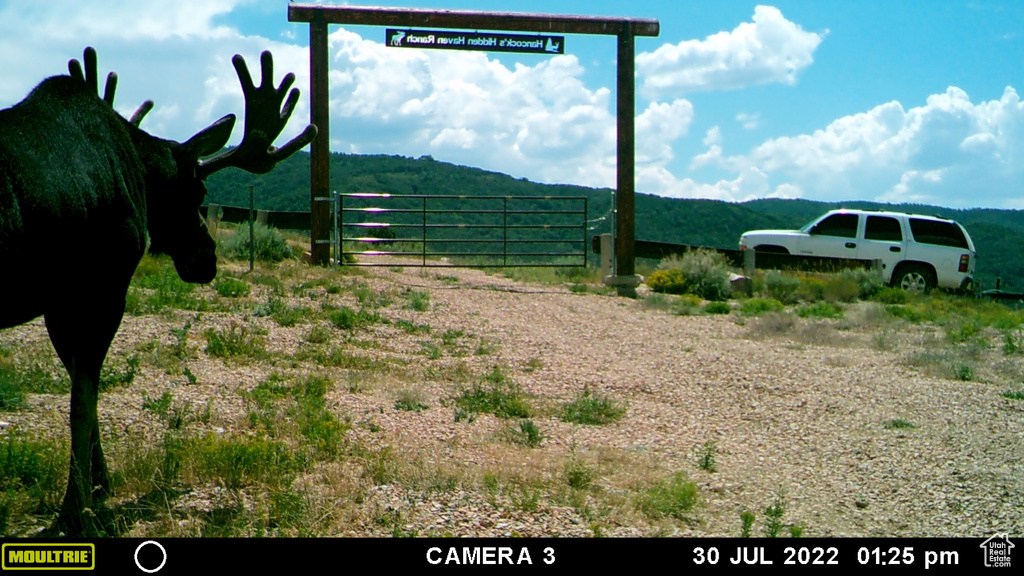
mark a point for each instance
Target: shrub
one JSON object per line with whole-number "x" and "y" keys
{"x": 890, "y": 295}
{"x": 820, "y": 310}
{"x": 497, "y": 394}
{"x": 718, "y": 308}
{"x": 270, "y": 245}
{"x": 781, "y": 288}
{"x": 701, "y": 272}
{"x": 758, "y": 306}
{"x": 868, "y": 282}
{"x": 810, "y": 289}
{"x": 589, "y": 408}
{"x": 841, "y": 288}
{"x": 672, "y": 498}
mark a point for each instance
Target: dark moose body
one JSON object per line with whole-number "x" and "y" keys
{"x": 81, "y": 190}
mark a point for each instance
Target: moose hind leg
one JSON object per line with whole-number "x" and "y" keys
{"x": 81, "y": 340}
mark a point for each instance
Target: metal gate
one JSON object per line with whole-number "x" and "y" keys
{"x": 451, "y": 230}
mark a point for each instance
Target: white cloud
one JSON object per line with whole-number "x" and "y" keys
{"x": 748, "y": 121}
{"x": 540, "y": 120}
{"x": 949, "y": 152}
{"x": 768, "y": 49}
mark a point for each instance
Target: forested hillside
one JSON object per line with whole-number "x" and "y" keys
{"x": 997, "y": 234}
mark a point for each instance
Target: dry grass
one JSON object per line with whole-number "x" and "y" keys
{"x": 361, "y": 416}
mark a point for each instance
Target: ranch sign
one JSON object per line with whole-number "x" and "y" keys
{"x": 495, "y": 42}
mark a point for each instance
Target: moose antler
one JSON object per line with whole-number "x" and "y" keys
{"x": 265, "y": 118}
{"x": 90, "y": 78}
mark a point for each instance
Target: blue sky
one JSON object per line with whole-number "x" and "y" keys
{"x": 897, "y": 101}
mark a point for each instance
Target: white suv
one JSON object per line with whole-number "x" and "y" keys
{"x": 917, "y": 252}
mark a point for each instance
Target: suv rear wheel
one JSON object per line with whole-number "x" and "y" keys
{"x": 914, "y": 278}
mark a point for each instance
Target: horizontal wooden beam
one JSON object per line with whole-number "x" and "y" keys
{"x": 473, "y": 20}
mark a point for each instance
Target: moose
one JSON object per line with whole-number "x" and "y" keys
{"x": 78, "y": 179}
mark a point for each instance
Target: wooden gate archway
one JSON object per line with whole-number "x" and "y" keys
{"x": 626, "y": 29}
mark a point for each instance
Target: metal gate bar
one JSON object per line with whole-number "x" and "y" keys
{"x": 564, "y": 224}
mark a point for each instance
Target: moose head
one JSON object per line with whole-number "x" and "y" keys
{"x": 175, "y": 172}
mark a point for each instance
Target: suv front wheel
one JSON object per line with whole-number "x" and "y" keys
{"x": 914, "y": 278}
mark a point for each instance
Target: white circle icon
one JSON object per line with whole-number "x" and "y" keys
{"x": 162, "y": 562}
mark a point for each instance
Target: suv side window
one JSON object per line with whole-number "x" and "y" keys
{"x": 842, "y": 225}
{"x": 936, "y": 232}
{"x": 883, "y": 228}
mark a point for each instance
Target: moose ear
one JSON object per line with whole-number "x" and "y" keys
{"x": 211, "y": 139}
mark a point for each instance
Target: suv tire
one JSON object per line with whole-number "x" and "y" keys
{"x": 914, "y": 278}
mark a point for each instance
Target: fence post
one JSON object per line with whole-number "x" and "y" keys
{"x": 876, "y": 267}
{"x": 607, "y": 256}
{"x": 749, "y": 263}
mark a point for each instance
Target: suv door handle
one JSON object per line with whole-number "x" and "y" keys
{"x": 895, "y": 249}
{"x": 851, "y": 244}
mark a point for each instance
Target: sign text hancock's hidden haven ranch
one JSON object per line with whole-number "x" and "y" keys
{"x": 494, "y": 42}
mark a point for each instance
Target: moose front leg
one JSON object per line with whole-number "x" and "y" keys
{"x": 82, "y": 351}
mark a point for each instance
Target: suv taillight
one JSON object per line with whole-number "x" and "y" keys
{"x": 965, "y": 262}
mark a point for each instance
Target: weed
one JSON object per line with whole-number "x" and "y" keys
{"x": 963, "y": 372}
{"x": 588, "y": 408}
{"x": 899, "y": 424}
{"x": 413, "y": 328}
{"x": 346, "y": 318}
{"x": 1014, "y": 394}
{"x": 287, "y": 317}
{"x": 236, "y": 341}
{"x": 181, "y": 349}
{"x": 32, "y": 475}
{"x": 318, "y": 335}
{"x": 773, "y": 514}
{"x": 161, "y": 406}
{"x": 112, "y": 378}
{"x": 451, "y": 337}
{"x": 526, "y": 433}
{"x": 411, "y": 400}
{"x": 11, "y": 397}
{"x": 578, "y": 475}
{"x": 497, "y": 394}
{"x": 418, "y": 301}
{"x": 533, "y": 364}
{"x": 747, "y": 519}
{"x": 231, "y": 288}
{"x": 673, "y": 498}
{"x": 1013, "y": 343}
{"x": 430, "y": 350}
{"x": 485, "y": 348}
{"x": 706, "y": 456}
